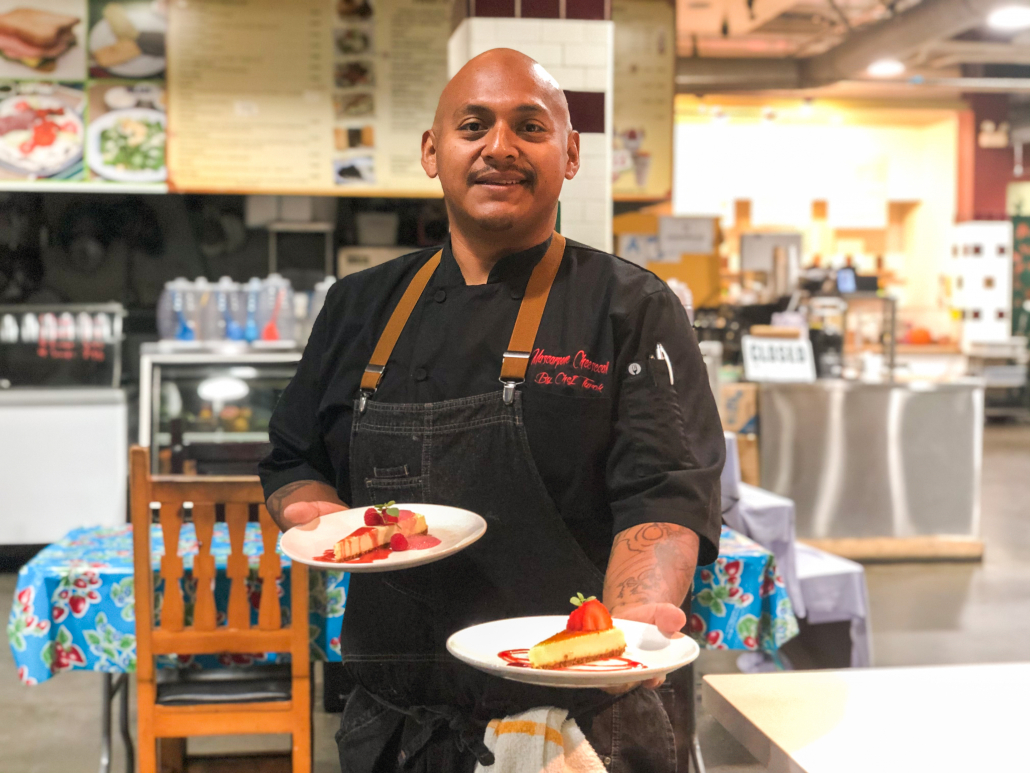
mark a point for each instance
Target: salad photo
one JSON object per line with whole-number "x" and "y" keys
{"x": 128, "y": 145}
{"x": 125, "y": 140}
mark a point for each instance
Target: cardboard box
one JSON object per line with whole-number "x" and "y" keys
{"x": 739, "y": 407}
{"x": 747, "y": 448}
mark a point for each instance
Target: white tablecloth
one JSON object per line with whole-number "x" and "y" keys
{"x": 765, "y": 517}
{"x": 823, "y": 588}
{"x": 834, "y": 590}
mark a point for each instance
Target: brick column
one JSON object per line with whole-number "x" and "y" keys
{"x": 578, "y": 53}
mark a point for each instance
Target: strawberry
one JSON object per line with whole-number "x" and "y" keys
{"x": 398, "y": 542}
{"x": 591, "y": 615}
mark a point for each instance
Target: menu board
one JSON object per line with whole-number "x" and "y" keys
{"x": 81, "y": 91}
{"x": 644, "y": 87}
{"x": 310, "y": 96}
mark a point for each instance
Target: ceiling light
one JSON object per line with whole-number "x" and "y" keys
{"x": 1009, "y": 17}
{"x": 885, "y": 68}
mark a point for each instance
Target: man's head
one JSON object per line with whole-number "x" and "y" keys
{"x": 501, "y": 144}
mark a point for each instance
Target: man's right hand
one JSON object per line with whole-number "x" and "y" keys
{"x": 304, "y": 512}
{"x": 301, "y": 502}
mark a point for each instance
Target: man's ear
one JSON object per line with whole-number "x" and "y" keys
{"x": 572, "y": 165}
{"x": 429, "y": 153}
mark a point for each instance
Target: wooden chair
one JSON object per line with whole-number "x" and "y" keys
{"x": 263, "y": 704}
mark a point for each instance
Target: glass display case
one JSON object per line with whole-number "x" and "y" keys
{"x": 61, "y": 345}
{"x": 64, "y": 418}
{"x": 205, "y": 411}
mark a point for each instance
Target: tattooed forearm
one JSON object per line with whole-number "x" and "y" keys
{"x": 651, "y": 563}
{"x": 298, "y": 491}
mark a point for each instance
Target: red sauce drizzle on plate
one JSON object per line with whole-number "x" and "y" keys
{"x": 520, "y": 659}
{"x": 422, "y": 541}
{"x": 415, "y": 542}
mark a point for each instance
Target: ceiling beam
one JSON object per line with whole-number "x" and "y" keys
{"x": 898, "y": 37}
{"x": 895, "y": 38}
{"x": 947, "y": 53}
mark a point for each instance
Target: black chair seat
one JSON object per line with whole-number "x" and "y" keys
{"x": 245, "y": 684}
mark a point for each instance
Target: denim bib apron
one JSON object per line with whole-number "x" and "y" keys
{"x": 471, "y": 453}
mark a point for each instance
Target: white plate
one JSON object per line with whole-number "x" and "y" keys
{"x": 96, "y": 158}
{"x": 72, "y": 151}
{"x": 455, "y": 528}
{"x": 480, "y": 646}
{"x": 142, "y": 66}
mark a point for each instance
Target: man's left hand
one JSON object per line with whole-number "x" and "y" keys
{"x": 668, "y": 618}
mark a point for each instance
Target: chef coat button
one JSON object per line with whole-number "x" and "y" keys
{"x": 440, "y": 296}
{"x": 420, "y": 374}
{"x": 516, "y": 293}
{"x": 634, "y": 369}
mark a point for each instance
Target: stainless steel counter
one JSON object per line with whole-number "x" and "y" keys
{"x": 875, "y": 460}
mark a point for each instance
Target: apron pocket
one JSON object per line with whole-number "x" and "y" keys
{"x": 396, "y": 488}
{"x": 390, "y": 472}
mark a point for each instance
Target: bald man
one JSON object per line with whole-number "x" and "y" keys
{"x": 554, "y": 389}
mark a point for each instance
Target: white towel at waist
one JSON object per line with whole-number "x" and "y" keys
{"x": 540, "y": 740}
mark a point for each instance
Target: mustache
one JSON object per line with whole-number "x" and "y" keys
{"x": 527, "y": 174}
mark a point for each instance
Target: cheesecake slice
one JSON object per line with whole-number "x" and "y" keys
{"x": 571, "y": 648}
{"x": 589, "y": 635}
{"x": 369, "y": 538}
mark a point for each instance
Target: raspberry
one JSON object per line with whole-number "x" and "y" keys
{"x": 398, "y": 542}
{"x": 373, "y": 518}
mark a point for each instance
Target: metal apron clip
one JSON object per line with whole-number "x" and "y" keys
{"x": 363, "y": 396}
{"x": 514, "y": 363}
{"x": 369, "y": 385}
{"x": 508, "y": 395}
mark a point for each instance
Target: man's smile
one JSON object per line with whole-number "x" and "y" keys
{"x": 503, "y": 180}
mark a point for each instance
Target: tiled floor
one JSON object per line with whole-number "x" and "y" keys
{"x": 921, "y": 613}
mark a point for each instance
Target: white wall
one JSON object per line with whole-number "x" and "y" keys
{"x": 578, "y": 54}
{"x": 857, "y": 169}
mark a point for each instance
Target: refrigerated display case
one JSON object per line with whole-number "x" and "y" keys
{"x": 63, "y": 421}
{"x": 205, "y": 410}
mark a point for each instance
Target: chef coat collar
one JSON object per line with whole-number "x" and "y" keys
{"x": 513, "y": 269}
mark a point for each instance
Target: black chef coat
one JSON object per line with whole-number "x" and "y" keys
{"x": 616, "y": 443}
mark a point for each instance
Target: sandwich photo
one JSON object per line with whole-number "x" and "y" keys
{"x": 36, "y": 38}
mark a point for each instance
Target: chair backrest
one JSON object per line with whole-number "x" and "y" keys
{"x": 237, "y": 494}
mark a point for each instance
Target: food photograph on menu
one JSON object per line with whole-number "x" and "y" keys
{"x": 354, "y": 10}
{"x": 42, "y": 39}
{"x": 354, "y": 73}
{"x": 127, "y": 39}
{"x": 41, "y": 131}
{"x": 353, "y": 40}
{"x": 354, "y": 104}
{"x": 127, "y": 132}
{"x": 354, "y": 170}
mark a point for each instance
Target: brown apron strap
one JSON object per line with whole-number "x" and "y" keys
{"x": 520, "y": 347}
{"x": 384, "y": 348}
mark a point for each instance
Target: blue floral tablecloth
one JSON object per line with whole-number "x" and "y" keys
{"x": 74, "y": 607}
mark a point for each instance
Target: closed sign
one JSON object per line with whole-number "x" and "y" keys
{"x": 779, "y": 360}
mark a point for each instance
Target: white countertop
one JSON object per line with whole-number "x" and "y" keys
{"x": 940, "y": 718}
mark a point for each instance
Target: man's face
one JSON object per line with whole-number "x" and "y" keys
{"x": 501, "y": 147}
